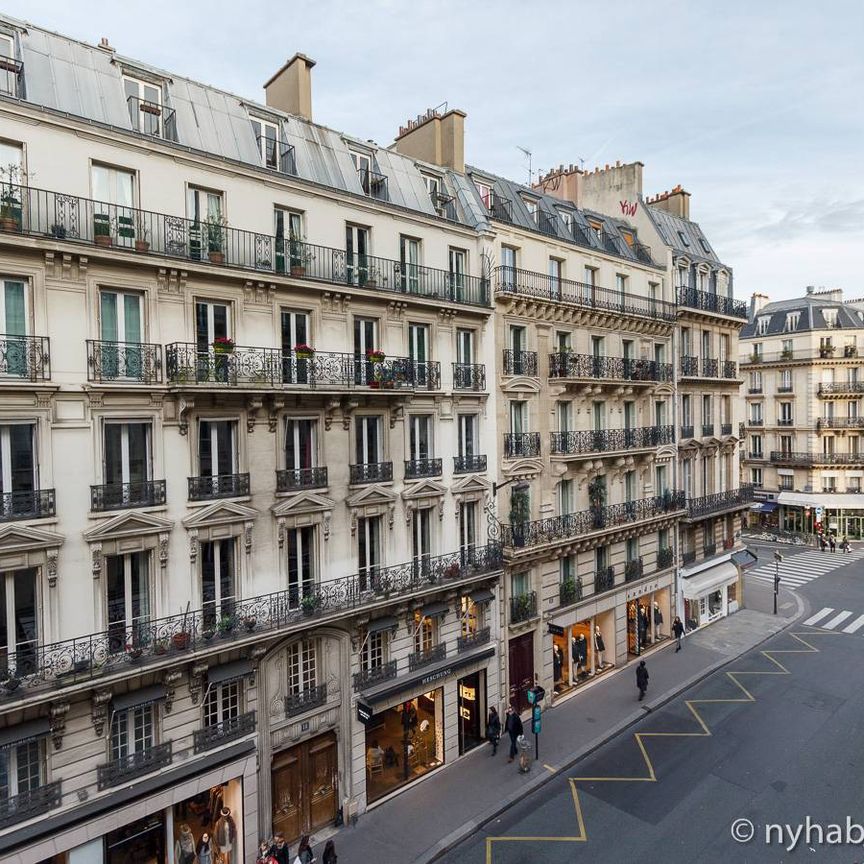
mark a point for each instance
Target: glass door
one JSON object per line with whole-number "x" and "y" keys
{"x": 127, "y": 457}
{"x": 13, "y": 329}
{"x": 18, "y": 621}
{"x": 212, "y": 323}
{"x": 409, "y": 250}
{"x": 418, "y": 352}
{"x": 357, "y": 254}
{"x": 291, "y": 252}
{"x": 217, "y": 451}
{"x": 113, "y": 207}
{"x": 120, "y": 329}
{"x": 301, "y": 577}
{"x": 18, "y": 470}
{"x": 218, "y": 584}
{"x": 368, "y": 550}
{"x": 296, "y": 333}
{"x": 206, "y": 233}
{"x": 128, "y": 600}
{"x": 365, "y": 339}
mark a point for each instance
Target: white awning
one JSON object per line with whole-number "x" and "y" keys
{"x": 828, "y": 500}
{"x": 709, "y": 580}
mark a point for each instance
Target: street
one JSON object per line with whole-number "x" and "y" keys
{"x": 774, "y": 738}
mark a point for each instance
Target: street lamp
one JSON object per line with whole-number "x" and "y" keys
{"x": 493, "y": 525}
{"x": 777, "y": 559}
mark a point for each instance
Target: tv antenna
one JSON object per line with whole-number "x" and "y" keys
{"x": 527, "y": 154}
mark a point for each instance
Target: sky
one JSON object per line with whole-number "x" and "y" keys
{"x": 749, "y": 105}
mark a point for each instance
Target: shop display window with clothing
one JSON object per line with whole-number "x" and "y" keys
{"x": 214, "y": 815}
{"x": 580, "y": 652}
{"x": 647, "y": 621}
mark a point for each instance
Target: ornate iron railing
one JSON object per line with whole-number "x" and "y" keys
{"x": 785, "y": 421}
{"x": 756, "y": 421}
{"x": 710, "y": 368}
{"x": 129, "y": 362}
{"x": 415, "y": 468}
{"x": 371, "y": 472}
{"x": 305, "y": 700}
{"x": 754, "y": 391}
{"x": 688, "y": 557}
{"x": 27, "y": 504}
{"x": 521, "y": 444}
{"x": 841, "y": 388}
{"x": 95, "y": 655}
{"x": 134, "y": 765}
{"x": 499, "y": 207}
{"x": 840, "y": 423}
{"x": 152, "y": 118}
{"x": 373, "y": 184}
{"x": 813, "y": 457}
{"x": 570, "y": 525}
{"x": 277, "y": 154}
{"x": 707, "y": 429}
{"x": 725, "y": 428}
{"x": 569, "y": 592}
{"x": 375, "y": 675}
{"x": 818, "y": 353}
{"x": 292, "y": 479}
{"x": 547, "y": 223}
{"x": 709, "y": 549}
{"x": 520, "y": 362}
{"x": 687, "y": 431}
{"x": 665, "y": 557}
{"x": 469, "y": 376}
{"x": 206, "y": 488}
{"x": 610, "y": 440}
{"x": 222, "y": 732}
{"x": 121, "y": 496}
{"x": 523, "y": 607}
{"x": 44, "y": 213}
{"x": 633, "y": 569}
{"x": 690, "y": 366}
{"x": 445, "y": 205}
{"x": 588, "y": 366}
{"x": 512, "y": 280}
{"x": 419, "y": 659}
{"x": 604, "y": 580}
{"x": 467, "y": 464}
{"x": 705, "y": 504}
{"x": 27, "y": 805}
{"x": 730, "y": 369}
{"x": 706, "y": 301}
{"x": 10, "y": 76}
{"x": 25, "y": 357}
{"x": 473, "y": 640}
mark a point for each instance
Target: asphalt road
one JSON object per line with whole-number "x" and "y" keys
{"x": 781, "y": 742}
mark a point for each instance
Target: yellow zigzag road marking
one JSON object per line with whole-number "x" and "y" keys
{"x": 640, "y": 737}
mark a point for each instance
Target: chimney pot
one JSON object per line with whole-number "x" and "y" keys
{"x": 290, "y": 89}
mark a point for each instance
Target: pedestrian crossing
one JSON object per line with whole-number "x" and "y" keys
{"x": 798, "y": 570}
{"x": 826, "y": 619}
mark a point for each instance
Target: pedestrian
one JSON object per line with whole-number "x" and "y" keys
{"x": 304, "y": 851}
{"x": 493, "y": 729}
{"x": 264, "y": 854}
{"x": 844, "y": 546}
{"x": 642, "y": 679}
{"x": 678, "y": 632}
{"x": 832, "y": 543}
{"x": 513, "y": 727}
{"x": 822, "y": 543}
{"x": 329, "y": 856}
{"x": 280, "y": 850}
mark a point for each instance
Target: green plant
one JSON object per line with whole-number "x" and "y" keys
{"x": 309, "y": 603}
{"x": 102, "y": 224}
{"x": 215, "y": 227}
{"x": 12, "y": 177}
{"x": 597, "y": 492}
{"x": 226, "y": 625}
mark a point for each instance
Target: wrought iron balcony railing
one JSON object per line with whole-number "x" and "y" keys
{"x": 784, "y": 388}
{"x": 842, "y": 388}
{"x": 72, "y": 661}
{"x": 547, "y": 223}
{"x": 610, "y": 440}
{"x": 665, "y": 557}
{"x": 710, "y": 368}
{"x": 469, "y": 376}
{"x": 756, "y": 421}
{"x": 754, "y": 391}
{"x": 725, "y": 428}
{"x": 445, "y": 205}
{"x": 10, "y": 76}
{"x": 569, "y": 592}
{"x": 292, "y": 479}
{"x": 467, "y": 464}
{"x": 755, "y": 454}
{"x": 207, "y": 488}
{"x": 134, "y": 765}
{"x": 840, "y": 423}
{"x": 58, "y": 216}
{"x": 707, "y": 301}
{"x": 690, "y": 367}
{"x": 849, "y": 352}
{"x": 26, "y": 358}
{"x": 512, "y": 280}
{"x": 709, "y": 549}
{"x": 520, "y": 362}
{"x": 812, "y": 457}
{"x": 277, "y": 154}
{"x": 687, "y": 431}
{"x": 604, "y": 580}
{"x": 523, "y": 607}
{"x": 590, "y": 367}
{"x": 785, "y": 421}
{"x": 29, "y": 804}
{"x": 122, "y": 496}
{"x": 419, "y": 659}
{"x": 472, "y": 640}
{"x": 223, "y": 732}
{"x": 375, "y": 675}
{"x": 633, "y": 569}
{"x": 518, "y": 444}
{"x": 499, "y": 207}
{"x": 570, "y": 525}
{"x": 27, "y": 504}
{"x": 126, "y": 362}
{"x": 705, "y": 504}
{"x": 305, "y": 700}
{"x": 371, "y": 472}
{"x": 373, "y": 184}
{"x": 688, "y": 557}
{"x": 415, "y": 468}
{"x": 730, "y": 369}
{"x": 152, "y": 118}
{"x": 707, "y": 429}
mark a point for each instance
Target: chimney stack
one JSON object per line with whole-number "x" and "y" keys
{"x": 676, "y": 202}
{"x": 435, "y": 138}
{"x": 562, "y": 183}
{"x": 757, "y": 303}
{"x": 290, "y": 89}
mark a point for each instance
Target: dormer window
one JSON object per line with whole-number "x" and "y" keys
{"x": 704, "y": 244}
{"x": 566, "y": 218}
{"x": 684, "y": 238}
{"x": 484, "y": 190}
{"x": 374, "y": 184}
{"x": 10, "y": 68}
{"x": 146, "y": 112}
{"x": 830, "y": 316}
{"x": 433, "y": 185}
{"x": 792, "y": 319}
{"x": 531, "y": 206}
{"x": 273, "y": 152}
{"x": 762, "y": 325}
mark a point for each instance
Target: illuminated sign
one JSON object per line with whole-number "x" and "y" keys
{"x": 467, "y": 692}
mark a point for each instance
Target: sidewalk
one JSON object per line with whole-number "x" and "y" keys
{"x": 437, "y": 813}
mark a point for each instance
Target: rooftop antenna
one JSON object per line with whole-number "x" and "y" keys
{"x": 527, "y": 154}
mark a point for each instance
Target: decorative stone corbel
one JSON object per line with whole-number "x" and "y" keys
{"x": 247, "y": 537}
{"x": 58, "y": 712}
{"x": 196, "y": 681}
{"x": 329, "y": 410}
{"x": 253, "y": 406}
{"x": 276, "y": 406}
{"x": 171, "y": 679}
{"x": 184, "y": 406}
{"x": 410, "y": 507}
{"x": 349, "y": 406}
{"x": 325, "y": 523}
{"x": 193, "y": 546}
{"x": 255, "y": 655}
{"x": 96, "y": 559}
{"x": 441, "y": 509}
{"x": 51, "y": 567}
{"x": 353, "y": 523}
{"x": 397, "y": 412}
{"x": 99, "y": 710}
{"x": 163, "y": 551}
{"x": 280, "y": 532}
{"x": 391, "y": 514}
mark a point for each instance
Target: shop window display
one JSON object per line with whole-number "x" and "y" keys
{"x": 208, "y": 824}
{"x": 648, "y": 621}
{"x": 581, "y": 652}
{"x": 140, "y": 841}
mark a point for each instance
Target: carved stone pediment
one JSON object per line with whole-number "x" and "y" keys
{"x": 423, "y": 489}
{"x": 521, "y": 384}
{"x": 471, "y": 483}
{"x": 219, "y": 513}
{"x": 22, "y": 538}
{"x": 302, "y": 502}
{"x": 131, "y": 524}
{"x": 371, "y": 495}
{"x": 522, "y": 468}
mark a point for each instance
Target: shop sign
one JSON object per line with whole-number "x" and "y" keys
{"x": 437, "y": 676}
{"x": 642, "y": 589}
{"x": 364, "y": 712}
{"x": 556, "y": 630}
{"x": 467, "y": 692}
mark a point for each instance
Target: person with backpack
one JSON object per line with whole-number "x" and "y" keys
{"x": 642, "y": 679}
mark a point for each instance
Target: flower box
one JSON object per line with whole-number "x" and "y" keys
{"x": 376, "y": 356}
{"x": 223, "y": 345}
{"x": 304, "y": 352}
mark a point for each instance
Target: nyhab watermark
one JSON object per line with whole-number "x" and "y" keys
{"x": 809, "y": 833}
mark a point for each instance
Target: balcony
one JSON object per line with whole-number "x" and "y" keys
{"x": 373, "y": 184}
{"x": 758, "y": 455}
{"x": 208, "y": 488}
{"x": 469, "y": 376}
{"x": 276, "y": 154}
{"x": 152, "y": 118}
{"x": 561, "y": 528}
{"x": 547, "y": 223}
{"x": 520, "y": 362}
{"x": 706, "y": 301}
{"x": 783, "y": 457}
{"x": 754, "y": 391}
{"x": 755, "y": 421}
{"x": 134, "y": 765}
{"x": 468, "y": 464}
{"x": 376, "y": 675}
{"x": 839, "y": 423}
{"x": 719, "y": 501}
{"x": 295, "y": 479}
{"x": 607, "y": 441}
{"x": 710, "y": 368}
{"x": 445, "y": 206}
{"x": 846, "y": 388}
{"x": 122, "y": 496}
{"x": 469, "y": 641}
{"x": 588, "y": 367}
{"x": 499, "y": 208}
{"x": 519, "y": 444}
{"x": 305, "y": 700}
{"x": 223, "y": 732}
{"x": 416, "y": 468}
{"x": 784, "y": 388}
{"x": 785, "y": 421}
{"x": 371, "y": 472}
{"x": 729, "y": 370}
{"x": 633, "y": 570}
{"x": 688, "y": 557}
{"x": 689, "y": 367}
{"x": 665, "y": 557}
{"x": 27, "y": 504}
{"x": 604, "y": 580}
{"x": 25, "y": 358}
{"x": 523, "y": 607}
{"x": 124, "y": 362}
{"x": 687, "y": 431}
{"x": 10, "y": 76}
{"x": 419, "y": 659}
{"x": 511, "y": 280}
{"x": 709, "y": 549}
{"x": 67, "y": 218}
{"x": 707, "y": 430}
{"x": 28, "y": 805}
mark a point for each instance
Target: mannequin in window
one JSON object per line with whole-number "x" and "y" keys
{"x": 557, "y": 662}
{"x": 643, "y": 626}
{"x": 658, "y": 620}
{"x": 599, "y": 646}
{"x": 184, "y": 848}
{"x": 225, "y": 834}
{"x": 580, "y": 654}
{"x": 204, "y": 850}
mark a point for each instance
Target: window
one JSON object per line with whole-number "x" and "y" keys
{"x": 18, "y": 470}
{"x": 564, "y": 412}
{"x": 518, "y": 416}
{"x": 212, "y": 322}
{"x": 786, "y": 482}
{"x": 786, "y": 379}
{"x": 121, "y": 321}
{"x": 518, "y": 339}
{"x": 599, "y": 414}
{"x": 425, "y": 632}
{"x": 420, "y": 437}
{"x": 853, "y": 484}
{"x": 217, "y": 448}
{"x": 21, "y": 768}
{"x": 756, "y": 446}
{"x": 421, "y": 534}
{"x": 468, "y": 435}
{"x": 756, "y": 413}
{"x": 757, "y": 350}
{"x": 786, "y": 444}
{"x": 19, "y": 627}
{"x": 126, "y": 457}
{"x": 471, "y": 616}
{"x": 465, "y": 347}
{"x": 484, "y": 190}
{"x": 432, "y": 184}
{"x": 762, "y": 324}
{"x": 467, "y": 525}
{"x": 458, "y": 259}
{"x": 707, "y": 353}
{"x": 829, "y": 484}
{"x": 565, "y": 497}
{"x": 661, "y": 485}
{"x": 707, "y": 411}
{"x": 207, "y": 234}
{"x": 686, "y": 349}
{"x": 686, "y": 411}
{"x": 418, "y": 351}
{"x": 114, "y": 194}
{"x": 786, "y": 413}
{"x": 621, "y": 284}
{"x": 267, "y": 140}
{"x": 288, "y": 224}
{"x": 756, "y": 476}
{"x": 409, "y": 255}
{"x": 368, "y": 548}
{"x": 555, "y": 270}
{"x": 531, "y": 207}
{"x": 128, "y": 598}
{"x": 358, "y": 271}
{"x": 687, "y": 477}
{"x": 566, "y": 218}
{"x": 374, "y": 654}
{"x": 8, "y": 68}
{"x": 222, "y": 703}
{"x": 792, "y": 319}
{"x": 131, "y": 732}
{"x": 508, "y": 268}
{"x": 367, "y": 439}
{"x": 302, "y": 667}
{"x": 365, "y": 340}
{"x": 300, "y": 544}
{"x": 632, "y": 548}
{"x": 755, "y": 382}
{"x": 144, "y": 101}
{"x": 685, "y": 240}
{"x": 519, "y": 584}
{"x": 301, "y": 444}
{"x": 629, "y": 486}
{"x": 830, "y": 316}
{"x": 218, "y": 583}
{"x": 363, "y": 167}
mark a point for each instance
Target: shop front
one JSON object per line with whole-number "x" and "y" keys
{"x": 213, "y": 815}
{"x": 582, "y": 651}
{"x": 709, "y": 594}
{"x": 648, "y": 624}
{"x": 838, "y": 514}
{"x": 520, "y": 657}
{"x": 471, "y": 704}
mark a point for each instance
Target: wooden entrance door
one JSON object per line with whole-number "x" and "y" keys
{"x": 521, "y": 657}
{"x": 304, "y": 787}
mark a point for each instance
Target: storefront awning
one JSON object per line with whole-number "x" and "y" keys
{"x": 30, "y": 731}
{"x": 139, "y": 697}
{"x": 434, "y": 610}
{"x": 709, "y": 580}
{"x": 744, "y": 558}
{"x": 765, "y": 507}
{"x": 229, "y": 671}
{"x": 484, "y": 595}
{"x": 388, "y": 622}
{"x": 827, "y": 500}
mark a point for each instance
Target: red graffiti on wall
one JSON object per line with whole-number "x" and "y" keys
{"x": 627, "y": 208}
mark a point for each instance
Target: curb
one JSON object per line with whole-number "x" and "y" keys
{"x": 540, "y": 780}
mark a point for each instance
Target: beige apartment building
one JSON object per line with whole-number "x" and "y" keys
{"x": 246, "y": 366}
{"x": 802, "y": 359}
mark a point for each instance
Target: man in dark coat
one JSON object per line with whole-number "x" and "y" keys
{"x": 642, "y": 679}
{"x": 513, "y": 727}
{"x": 678, "y": 632}
{"x": 280, "y": 849}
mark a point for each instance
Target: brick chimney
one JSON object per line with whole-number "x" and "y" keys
{"x": 757, "y": 303}
{"x": 290, "y": 89}
{"x": 676, "y": 202}
{"x": 435, "y": 138}
{"x": 563, "y": 183}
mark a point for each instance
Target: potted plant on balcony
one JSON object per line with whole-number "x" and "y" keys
{"x": 102, "y": 229}
{"x": 850, "y": 351}
{"x": 215, "y": 226}
{"x": 453, "y": 571}
{"x": 58, "y": 231}
{"x": 12, "y": 177}
{"x": 755, "y": 357}
{"x": 372, "y": 277}
{"x": 309, "y": 604}
{"x": 375, "y": 355}
{"x": 250, "y": 622}
{"x": 597, "y": 500}
{"x": 786, "y": 354}
{"x": 826, "y": 351}
{"x": 226, "y": 626}
{"x": 8, "y": 680}
{"x": 160, "y": 647}
{"x": 223, "y": 345}
{"x": 142, "y": 241}
{"x": 519, "y": 515}
{"x": 304, "y": 351}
